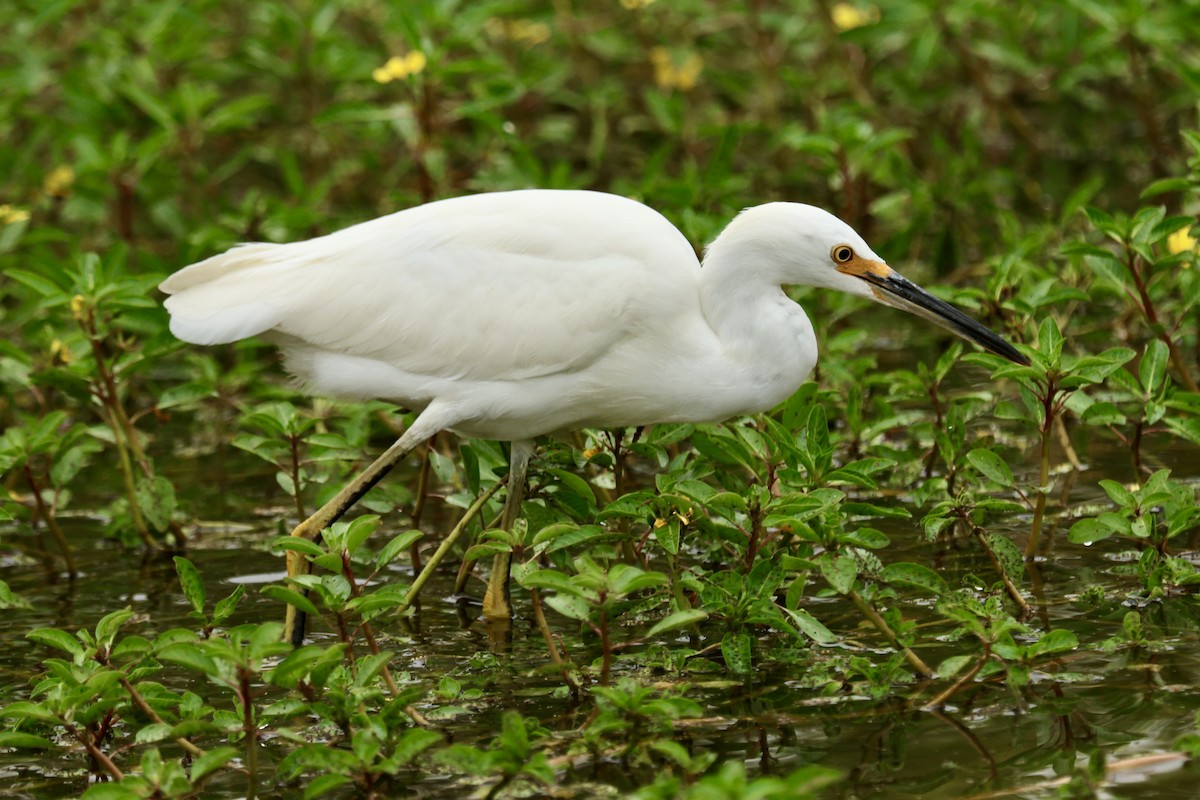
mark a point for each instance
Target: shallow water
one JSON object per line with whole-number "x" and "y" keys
{"x": 1129, "y": 705}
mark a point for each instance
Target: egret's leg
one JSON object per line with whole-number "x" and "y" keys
{"x": 422, "y": 428}
{"x": 496, "y": 604}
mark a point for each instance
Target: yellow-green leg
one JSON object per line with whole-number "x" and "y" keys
{"x": 496, "y": 605}
{"x": 297, "y": 564}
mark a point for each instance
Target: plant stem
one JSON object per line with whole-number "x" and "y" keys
{"x": 1009, "y": 586}
{"x": 1133, "y": 265}
{"x": 250, "y": 729}
{"x": 444, "y": 548}
{"x": 110, "y": 397}
{"x": 48, "y": 518}
{"x": 414, "y": 550}
{"x": 95, "y": 752}
{"x": 145, "y": 708}
{"x": 881, "y": 624}
{"x": 941, "y": 699}
{"x": 606, "y": 646}
{"x": 294, "y": 441}
{"x": 551, "y": 644}
{"x": 1039, "y": 510}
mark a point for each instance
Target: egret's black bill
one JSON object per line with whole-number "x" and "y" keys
{"x": 903, "y": 293}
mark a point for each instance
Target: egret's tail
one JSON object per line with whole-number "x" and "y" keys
{"x": 228, "y": 297}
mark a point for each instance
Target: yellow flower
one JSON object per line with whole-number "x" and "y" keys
{"x": 10, "y": 215}
{"x": 1181, "y": 241}
{"x": 669, "y": 75}
{"x": 78, "y": 304}
{"x": 398, "y": 68}
{"x": 59, "y": 352}
{"x": 58, "y": 182}
{"x": 591, "y": 451}
{"x": 517, "y": 30}
{"x": 635, "y": 5}
{"x": 847, "y": 16}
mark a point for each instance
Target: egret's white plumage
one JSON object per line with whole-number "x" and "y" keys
{"x": 527, "y": 312}
{"x": 515, "y": 314}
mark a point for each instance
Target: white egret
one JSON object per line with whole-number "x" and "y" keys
{"x": 516, "y": 314}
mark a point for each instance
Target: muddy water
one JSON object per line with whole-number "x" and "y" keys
{"x": 1131, "y": 706}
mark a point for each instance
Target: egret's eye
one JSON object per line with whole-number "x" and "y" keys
{"x": 842, "y": 253}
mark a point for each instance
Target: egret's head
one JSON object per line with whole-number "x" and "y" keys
{"x": 804, "y": 245}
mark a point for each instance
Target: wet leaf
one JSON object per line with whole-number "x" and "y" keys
{"x": 677, "y": 620}
{"x": 191, "y": 583}
{"x": 736, "y": 649}
{"x": 991, "y": 465}
{"x": 915, "y": 576}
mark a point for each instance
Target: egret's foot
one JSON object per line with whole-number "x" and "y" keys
{"x": 295, "y": 621}
{"x": 496, "y": 603}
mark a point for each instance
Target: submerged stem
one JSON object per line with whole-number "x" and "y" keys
{"x": 51, "y": 523}
{"x": 1039, "y": 509}
{"x": 551, "y": 644}
{"x": 1009, "y": 586}
{"x": 881, "y": 625}
{"x": 250, "y": 730}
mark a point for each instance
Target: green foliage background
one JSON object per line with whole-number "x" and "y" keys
{"x": 1037, "y": 156}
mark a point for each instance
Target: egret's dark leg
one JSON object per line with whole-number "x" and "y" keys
{"x": 297, "y": 564}
{"x": 496, "y": 604}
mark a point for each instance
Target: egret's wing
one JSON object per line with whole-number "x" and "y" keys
{"x": 502, "y": 286}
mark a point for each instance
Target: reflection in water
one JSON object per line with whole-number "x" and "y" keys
{"x": 1131, "y": 704}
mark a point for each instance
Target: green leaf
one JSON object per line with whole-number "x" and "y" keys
{"x": 225, "y": 607}
{"x": 867, "y": 538}
{"x": 211, "y": 761}
{"x": 1153, "y": 368}
{"x": 156, "y": 498}
{"x": 915, "y": 576}
{"x": 412, "y": 743}
{"x": 359, "y": 530}
{"x": 1050, "y": 340}
{"x": 667, "y": 535}
{"x": 156, "y": 732}
{"x": 991, "y": 466}
{"x": 9, "y": 599}
{"x": 298, "y": 544}
{"x": 1164, "y": 185}
{"x": 25, "y": 741}
{"x": 736, "y": 648}
{"x": 679, "y": 619}
{"x": 840, "y": 572}
{"x": 189, "y": 655}
{"x": 292, "y": 598}
{"x": 322, "y": 785}
{"x": 396, "y": 546}
{"x": 110, "y": 624}
{"x": 110, "y": 791}
{"x": 811, "y": 627}
{"x": 192, "y": 584}
{"x": 1119, "y": 494}
{"x": 25, "y": 709}
{"x": 569, "y": 606}
{"x": 300, "y": 662}
{"x": 1056, "y": 641}
{"x": 59, "y": 640}
{"x": 1088, "y": 531}
{"x": 952, "y": 666}
{"x": 551, "y": 579}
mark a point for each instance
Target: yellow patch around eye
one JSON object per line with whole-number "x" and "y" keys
{"x": 859, "y": 267}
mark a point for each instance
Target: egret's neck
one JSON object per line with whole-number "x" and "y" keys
{"x": 741, "y": 292}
